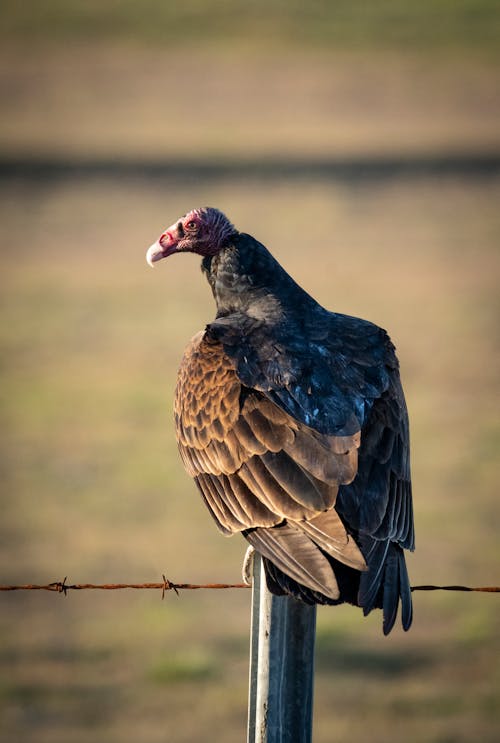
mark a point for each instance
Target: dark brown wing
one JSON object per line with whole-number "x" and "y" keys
{"x": 259, "y": 469}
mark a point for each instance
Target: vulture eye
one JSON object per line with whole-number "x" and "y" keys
{"x": 190, "y": 225}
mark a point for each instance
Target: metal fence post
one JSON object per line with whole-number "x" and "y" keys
{"x": 281, "y": 666}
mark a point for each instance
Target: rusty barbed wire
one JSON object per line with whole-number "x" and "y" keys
{"x": 167, "y": 585}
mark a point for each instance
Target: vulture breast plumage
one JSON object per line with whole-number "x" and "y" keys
{"x": 292, "y": 421}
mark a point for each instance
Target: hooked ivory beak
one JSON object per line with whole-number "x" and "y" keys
{"x": 163, "y": 247}
{"x": 155, "y": 253}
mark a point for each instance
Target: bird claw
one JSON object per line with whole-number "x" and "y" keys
{"x": 247, "y": 567}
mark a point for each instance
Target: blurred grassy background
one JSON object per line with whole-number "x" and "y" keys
{"x": 91, "y": 338}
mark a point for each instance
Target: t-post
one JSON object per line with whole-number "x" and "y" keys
{"x": 281, "y": 665}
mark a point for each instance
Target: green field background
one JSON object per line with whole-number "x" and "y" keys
{"x": 92, "y": 485}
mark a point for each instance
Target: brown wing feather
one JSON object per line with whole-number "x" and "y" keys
{"x": 256, "y": 466}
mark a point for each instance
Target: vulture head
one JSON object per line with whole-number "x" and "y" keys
{"x": 204, "y": 231}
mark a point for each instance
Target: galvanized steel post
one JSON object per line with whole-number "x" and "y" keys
{"x": 281, "y": 666}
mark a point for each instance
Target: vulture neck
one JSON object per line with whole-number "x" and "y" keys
{"x": 246, "y": 280}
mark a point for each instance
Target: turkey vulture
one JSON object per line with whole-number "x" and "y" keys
{"x": 292, "y": 421}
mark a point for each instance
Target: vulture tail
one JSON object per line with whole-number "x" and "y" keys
{"x": 381, "y": 587}
{"x": 385, "y": 583}
{"x": 405, "y": 591}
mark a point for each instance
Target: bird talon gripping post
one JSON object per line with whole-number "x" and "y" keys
{"x": 292, "y": 421}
